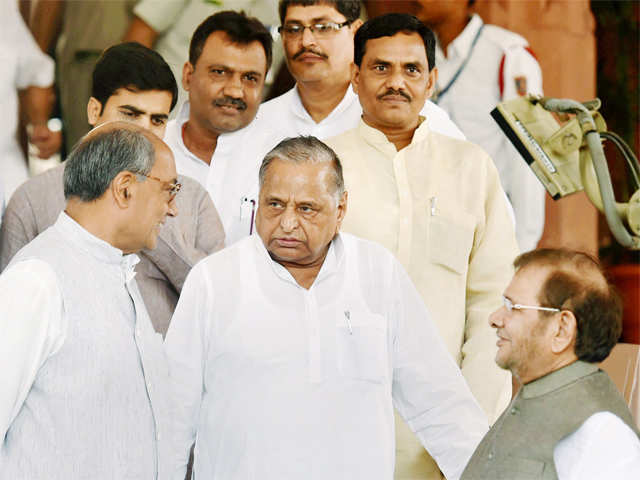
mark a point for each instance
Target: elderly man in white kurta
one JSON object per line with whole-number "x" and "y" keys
{"x": 434, "y": 201}
{"x": 84, "y": 377}
{"x": 289, "y": 349}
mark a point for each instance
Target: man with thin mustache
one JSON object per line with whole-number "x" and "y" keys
{"x": 229, "y": 57}
{"x": 434, "y": 201}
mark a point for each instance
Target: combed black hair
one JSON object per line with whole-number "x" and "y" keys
{"x": 349, "y": 8}
{"x": 387, "y": 26}
{"x": 132, "y": 66}
{"x": 240, "y": 29}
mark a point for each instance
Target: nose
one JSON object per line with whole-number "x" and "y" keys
{"x": 308, "y": 38}
{"x": 289, "y": 220}
{"x": 233, "y": 86}
{"x": 395, "y": 80}
{"x": 496, "y": 319}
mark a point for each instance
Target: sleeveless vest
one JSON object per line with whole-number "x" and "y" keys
{"x": 521, "y": 442}
{"x": 92, "y": 409}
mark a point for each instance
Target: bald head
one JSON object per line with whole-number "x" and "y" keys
{"x": 104, "y": 152}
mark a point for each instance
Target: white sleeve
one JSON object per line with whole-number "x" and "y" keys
{"x": 521, "y": 73}
{"x": 160, "y": 14}
{"x": 429, "y": 390}
{"x": 603, "y": 447}
{"x": 32, "y": 328}
{"x": 186, "y": 348}
{"x": 34, "y": 68}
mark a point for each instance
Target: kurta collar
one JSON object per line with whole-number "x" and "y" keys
{"x": 94, "y": 246}
{"x": 379, "y": 141}
{"x": 299, "y": 111}
{"x": 331, "y": 263}
{"x": 558, "y": 379}
{"x": 461, "y": 45}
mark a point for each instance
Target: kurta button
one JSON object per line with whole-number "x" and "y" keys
{"x": 490, "y": 456}
{"x": 514, "y": 411}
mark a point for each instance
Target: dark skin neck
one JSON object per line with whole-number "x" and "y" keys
{"x": 449, "y": 29}
{"x": 304, "y": 274}
{"x": 199, "y": 141}
{"x": 319, "y": 99}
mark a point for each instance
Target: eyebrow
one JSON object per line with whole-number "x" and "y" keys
{"x": 132, "y": 109}
{"x": 229, "y": 69}
{"x": 159, "y": 115}
{"x": 323, "y": 18}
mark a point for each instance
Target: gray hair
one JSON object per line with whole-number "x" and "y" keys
{"x": 96, "y": 160}
{"x": 305, "y": 149}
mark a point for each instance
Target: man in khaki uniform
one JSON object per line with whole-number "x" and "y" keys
{"x": 436, "y": 202}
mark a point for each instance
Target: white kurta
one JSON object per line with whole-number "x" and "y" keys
{"x": 23, "y": 65}
{"x": 476, "y": 91}
{"x": 603, "y": 447}
{"x": 281, "y": 382}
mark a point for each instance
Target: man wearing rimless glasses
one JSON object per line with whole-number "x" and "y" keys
{"x": 131, "y": 83}
{"x": 84, "y": 377}
{"x": 560, "y": 318}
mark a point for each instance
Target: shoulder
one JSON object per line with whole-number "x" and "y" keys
{"x": 363, "y": 248}
{"x": 344, "y": 140}
{"x": 503, "y": 38}
{"x": 276, "y": 105}
{"x": 440, "y": 122}
{"x": 39, "y": 189}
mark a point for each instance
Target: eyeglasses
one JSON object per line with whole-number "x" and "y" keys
{"x": 320, "y": 30}
{"x": 174, "y": 187}
{"x": 509, "y": 305}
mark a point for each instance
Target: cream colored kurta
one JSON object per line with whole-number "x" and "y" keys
{"x": 439, "y": 207}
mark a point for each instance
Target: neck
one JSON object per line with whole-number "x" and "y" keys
{"x": 399, "y": 136}
{"x": 304, "y": 275}
{"x": 199, "y": 141}
{"x": 448, "y": 30}
{"x": 557, "y": 364}
{"x": 320, "y": 99}
{"x": 90, "y": 216}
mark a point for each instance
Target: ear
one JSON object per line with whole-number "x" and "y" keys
{"x": 355, "y": 77}
{"x": 94, "y": 111}
{"x": 122, "y": 189}
{"x": 342, "y": 209}
{"x": 564, "y": 335}
{"x": 187, "y": 72}
{"x": 431, "y": 83}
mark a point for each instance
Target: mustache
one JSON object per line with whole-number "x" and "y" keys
{"x": 230, "y": 101}
{"x": 391, "y": 91}
{"x": 304, "y": 50}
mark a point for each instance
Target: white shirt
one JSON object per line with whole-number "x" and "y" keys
{"x": 603, "y": 447}
{"x": 186, "y": 162}
{"x": 23, "y": 65}
{"x": 275, "y": 381}
{"x": 233, "y": 177}
{"x": 476, "y": 91}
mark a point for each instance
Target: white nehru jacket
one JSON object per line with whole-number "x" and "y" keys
{"x": 274, "y": 381}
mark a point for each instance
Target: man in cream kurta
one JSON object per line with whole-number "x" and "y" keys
{"x": 435, "y": 202}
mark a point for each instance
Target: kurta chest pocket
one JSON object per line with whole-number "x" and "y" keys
{"x": 361, "y": 346}
{"x": 450, "y": 243}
